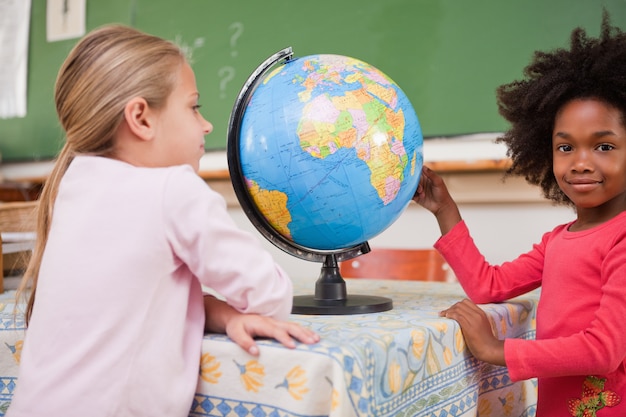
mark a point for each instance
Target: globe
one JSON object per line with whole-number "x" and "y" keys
{"x": 325, "y": 153}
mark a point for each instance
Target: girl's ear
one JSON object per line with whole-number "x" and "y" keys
{"x": 139, "y": 118}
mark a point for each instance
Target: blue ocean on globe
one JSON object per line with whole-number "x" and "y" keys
{"x": 331, "y": 151}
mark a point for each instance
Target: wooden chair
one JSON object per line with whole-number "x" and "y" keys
{"x": 398, "y": 264}
{"x": 17, "y": 234}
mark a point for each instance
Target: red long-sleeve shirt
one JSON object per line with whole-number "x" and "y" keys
{"x": 581, "y": 316}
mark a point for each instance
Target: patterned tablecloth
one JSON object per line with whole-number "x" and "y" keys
{"x": 402, "y": 362}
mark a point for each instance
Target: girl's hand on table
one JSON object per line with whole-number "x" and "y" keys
{"x": 243, "y": 328}
{"x": 477, "y": 332}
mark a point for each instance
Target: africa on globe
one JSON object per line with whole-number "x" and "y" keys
{"x": 329, "y": 151}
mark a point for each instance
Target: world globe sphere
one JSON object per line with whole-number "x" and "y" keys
{"x": 328, "y": 149}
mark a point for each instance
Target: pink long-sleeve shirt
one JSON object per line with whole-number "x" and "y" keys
{"x": 118, "y": 320}
{"x": 581, "y": 316}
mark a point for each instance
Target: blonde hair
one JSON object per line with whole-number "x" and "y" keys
{"x": 104, "y": 70}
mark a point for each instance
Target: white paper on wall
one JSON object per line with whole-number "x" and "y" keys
{"x": 14, "y": 30}
{"x": 65, "y": 19}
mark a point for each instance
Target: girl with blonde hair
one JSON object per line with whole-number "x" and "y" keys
{"x": 128, "y": 234}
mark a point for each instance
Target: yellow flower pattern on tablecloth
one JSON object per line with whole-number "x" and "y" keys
{"x": 251, "y": 375}
{"x": 209, "y": 368}
{"x": 395, "y": 377}
{"x": 334, "y": 402}
{"x": 507, "y": 403}
{"x": 295, "y": 382}
{"x": 459, "y": 342}
{"x": 417, "y": 345}
{"x": 432, "y": 360}
{"x": 441, "y": 326}
{"x": 522, "y": 397}
{"x": 504, "y": 402}
{"x": 16, "y": 350}
{"x": 484, "y": 408}
{"x": 503, "y": 325}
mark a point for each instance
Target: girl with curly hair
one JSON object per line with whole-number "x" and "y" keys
{"x": 568, "y": 136}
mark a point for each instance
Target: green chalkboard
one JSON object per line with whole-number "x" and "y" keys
{"x": 447, "y": 55}
{"x": 38, "y": 135}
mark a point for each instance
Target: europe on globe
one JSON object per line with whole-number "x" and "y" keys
{"x": 325, "y": 153}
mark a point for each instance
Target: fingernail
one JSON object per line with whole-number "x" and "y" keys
{"x": 254, "y": 350}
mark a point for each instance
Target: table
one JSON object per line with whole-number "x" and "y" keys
{"x": 404, "y": 362}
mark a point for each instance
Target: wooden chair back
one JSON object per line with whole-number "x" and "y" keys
{"x": 16, "y": 218}
{"x": 398, "y": 264}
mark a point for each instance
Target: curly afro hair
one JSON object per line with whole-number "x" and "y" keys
{"x": 593, "y": 68}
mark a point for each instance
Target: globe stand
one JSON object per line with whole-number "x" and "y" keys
{"x": 331, "y": 296}
{"x": 330, "y": 289}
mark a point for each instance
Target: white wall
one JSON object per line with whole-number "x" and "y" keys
{"x": 501, "y": 231}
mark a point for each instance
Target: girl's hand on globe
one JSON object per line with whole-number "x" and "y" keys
{"x": 433, "y": 195}
{"x": 432, "y": 192}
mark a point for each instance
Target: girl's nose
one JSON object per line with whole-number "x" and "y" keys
{"x": 207, "y": 127}
{"x": 582, "y": 162}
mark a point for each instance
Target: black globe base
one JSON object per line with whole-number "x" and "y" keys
{"x": 331, "y": 296}
{"x": 354, "y": 304}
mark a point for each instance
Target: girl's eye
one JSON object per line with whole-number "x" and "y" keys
{"x": 563, "y": 148}
{"x": 196, "y": 107}
{"x": 605, "y": 147}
